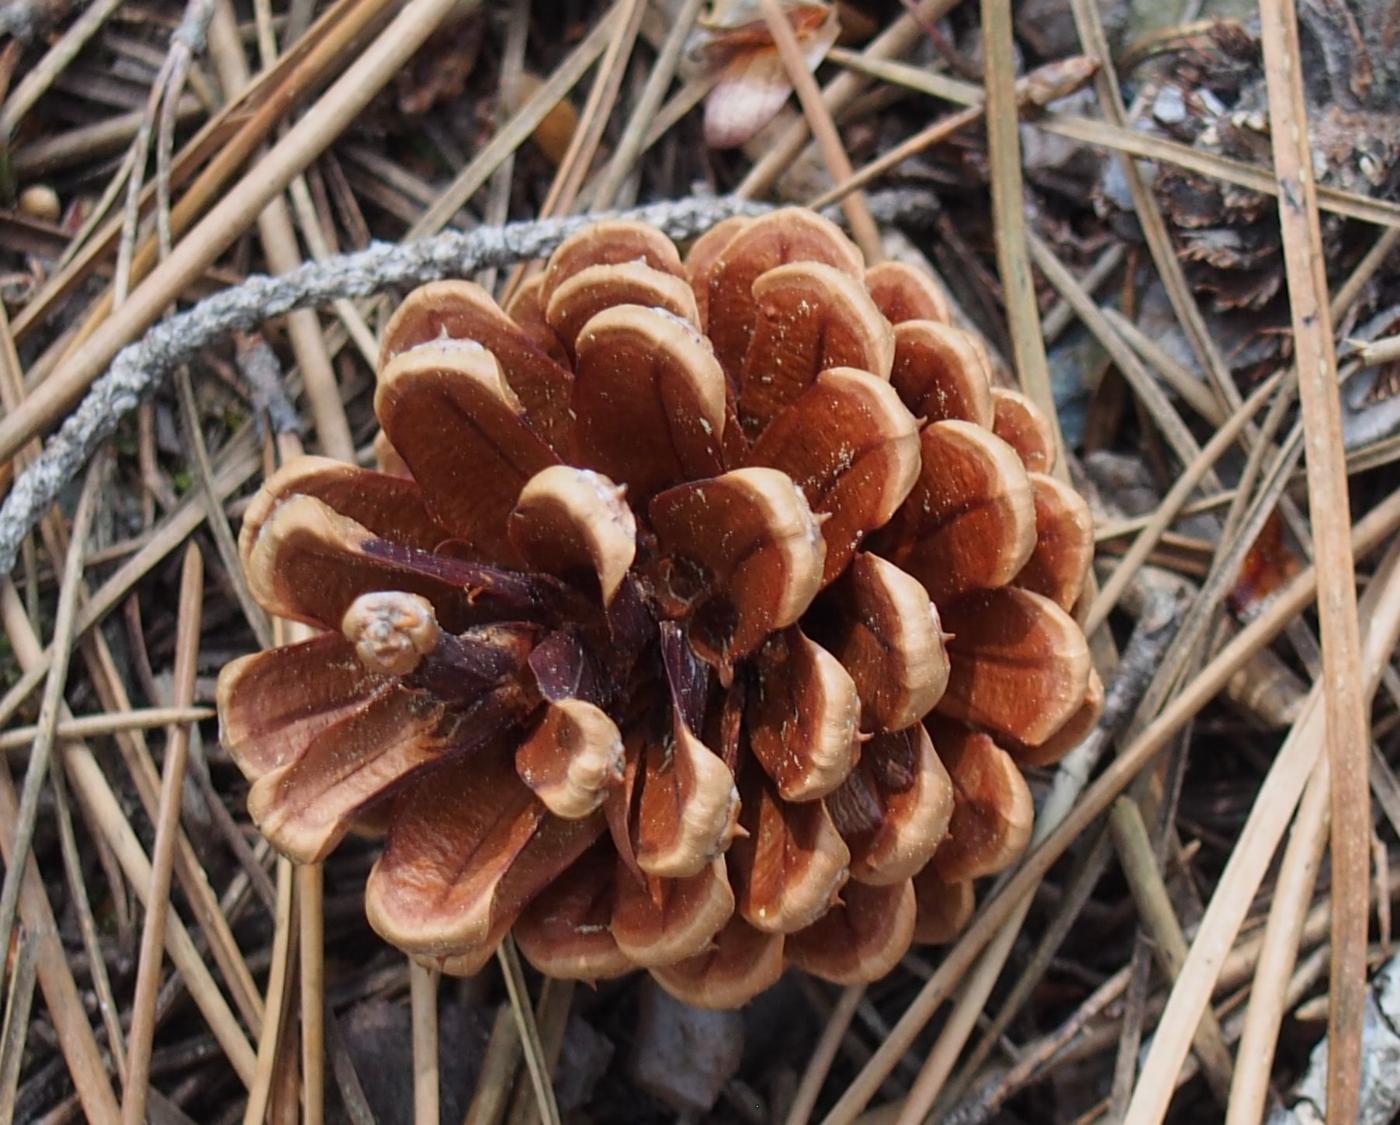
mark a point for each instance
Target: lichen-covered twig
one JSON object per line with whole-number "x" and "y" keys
{"x": 1380, "y": 1063}
{"x": 139, "y": 367}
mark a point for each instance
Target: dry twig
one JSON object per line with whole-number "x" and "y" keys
{"x": 139, "y": 367}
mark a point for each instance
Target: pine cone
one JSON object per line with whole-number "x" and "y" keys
{"x": 699, "y": 622}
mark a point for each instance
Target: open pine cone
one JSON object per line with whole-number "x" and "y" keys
{"x": 698, "y": 622}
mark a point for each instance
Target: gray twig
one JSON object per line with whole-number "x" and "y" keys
{"x": 1380, "y": 1063}
{"x": 140, "y": 367}
{"x": 259, "y": 366}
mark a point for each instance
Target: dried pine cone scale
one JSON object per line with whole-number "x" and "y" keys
{"x": 700, "y": 620}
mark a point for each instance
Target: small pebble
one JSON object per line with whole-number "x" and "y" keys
{"x": 40, "y": 201}
{"x": 684, "y": 1055}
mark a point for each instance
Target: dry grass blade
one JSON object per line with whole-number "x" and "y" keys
{"x": 41, "y": 76}
{"x": 143, "y": 1007}
{"x": 823, "y": 1054}
{"x": 1044, "y": 1050}
{"x": 237, "y": 465}
{"x": 1053, "y": 81}
{"x": 135, "y": 753}
{"x": 15, "y": 1029}
{"x": 1139, "y": 862}
{"x": 423, "y": 990}
{"x": 1089, "y": 24}
{"x": 1273, "y": 807}
{"x": 535, "y": 1060}
{"x": 1172, "y": 503}
{"x": 39, "y": 756}
{"x": 97, "y": 796}
{"x": 823, "y": 128}
{"x": 626, "y": 18}
{"x": 1159, "y": 406}
{"x": 61, "y": 997}
{"x": 515, "y": 131}
{"x": 1155, "y": 628}
{"x": 934, "y": 134}
{"x": 1009, "y": 213}
{"x": 498, "y": 1067}
{"x": 227, "y": 142}
{"x": 87, "y": 925}
{"x": 972, "y": 993}
{"x": 1088, "y": 869}
{"x": 1192, "y": 390}
{"x": 336, "y": 108}
{"x": 278, "y": 1001}
{"x": 214, "y": 511}
{"x": 1292, "y": 895}
{"x": 1378, "y": 352}
{"x": 512, "y": 70}
{"x": 192, "y": 878}
{"x": 551, "y": 1017}
{"x": 1348, "y": 739}
{"x": 602, "y": 97}
{"x": 632, "y": 141}
{"x": 187, "y": 959}
{"x": 279, "y": 242}
{"x": 902, "y": 34}
{"x": 1372, "y": 530}
{"x": 90, "y": 726}
{"x": 311, "y": 943}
